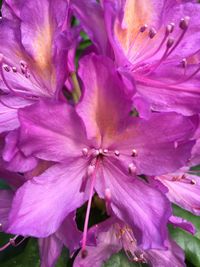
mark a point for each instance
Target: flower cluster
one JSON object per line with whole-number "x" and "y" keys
{"x": 118, "y": 123}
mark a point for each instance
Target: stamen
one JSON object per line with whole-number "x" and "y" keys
{"x": 105, "y": 151}
{"x": 170, "y": 28}
{"x": 131, "y": 168}
{"x": 152, "y": 33}
{"x": 134, "y": 153}
{"x": 6, "y": 68}
{"x": 184, "y": 26}
{"x": 170, "y": 42}
{"x": 85, "y": 151}
{"x": 91, "y": 174}
{"x": 100, "y": 151}
{"x": 117, "y": 153}
{"x": 14, "y": 69}
{"x": 142, "y": 29}
{"x": 184, "y": 63}
{"x": 184, "y": 23}
{"x": 193, "y": 182}
{"x": 90, "y": 170}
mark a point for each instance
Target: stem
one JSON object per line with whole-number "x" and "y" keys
{"x": 77, "y": 90}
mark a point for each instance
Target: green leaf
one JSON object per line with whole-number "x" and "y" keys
{"x": 3, "y": 184}
{"x": 120, "y": 259}
{"x": 11, "y": 251}
{"x": 29, "y": 257}
{"x": 189, "y": 243}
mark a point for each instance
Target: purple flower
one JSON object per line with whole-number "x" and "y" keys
{"x": 113, "y": 235}
{"x": 157, "y": 43}
{"x": 99, "y": 147}
{"x": 35, "y": 54}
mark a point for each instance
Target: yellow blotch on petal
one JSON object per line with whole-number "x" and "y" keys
{"x": 42, "y": 45}
{"x": 106, "y": 116}
{"x": 136, "y": 14}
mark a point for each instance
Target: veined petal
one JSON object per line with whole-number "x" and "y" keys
{"x": 40, "y": 36}
{"x": 41, "y": 204}
{"x": 182, "y": 223}
{"x": 124, "y": 20}
{"x": 69, "y": 234}
{"x": 146, "y": 217}
{"x": 14, "y": 159}
{"x": 163, "y": 141}
{"x": 183, "y": 190}
{"x": 51, "y": 131}
{"x": 105, "y": 103}
{"x": 50, "y": 250}
{"x": 106, "y": 245}
{"x": 174, "y": 256}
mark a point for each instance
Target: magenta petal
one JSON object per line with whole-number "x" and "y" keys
{"x": 14, "y": 158}
{"x": 41, "y": 204}
{"x": 182, "y": 223}
{"x": 162, "y": 141}
{"x": 102, "y": 89}
{"x": 129, "y": 203}
{"x": 51, "y": 131}
{"x": 50, "y": 250}
{"x": 9, "y": 107}
{"x": 174, "y": 256}
{"x": 8, "y": 119}
{"x": 183, "y": 190}
{"x": 106, "y": 244}
{"x": 96, "y": 256}
{"x": 69, "y": 234}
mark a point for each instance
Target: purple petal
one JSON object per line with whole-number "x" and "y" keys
{"x": 106, "y": 244}
{"x": 167, "y": 94}
{"x": 128, "y": 200}
{"x": 63, "y": 136}
{"x": 174, "y": 256}
{"x": 41, "y": 204}
{"x": 96, "y": 256}
{"x": 102, "y": 89}
{"x": 50, "y": 250}
{"x": 45, "y": 40}
{"x": 9, "y": 107}
{"x": 69, "y": 234}
{"x": 154, "y": 141}
{"x": 14, "y": 158}
{"x": 182, "y": 223}
{"x": 183, "y": 190}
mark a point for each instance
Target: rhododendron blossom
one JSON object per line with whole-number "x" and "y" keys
{"x": 99, "y": 131}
